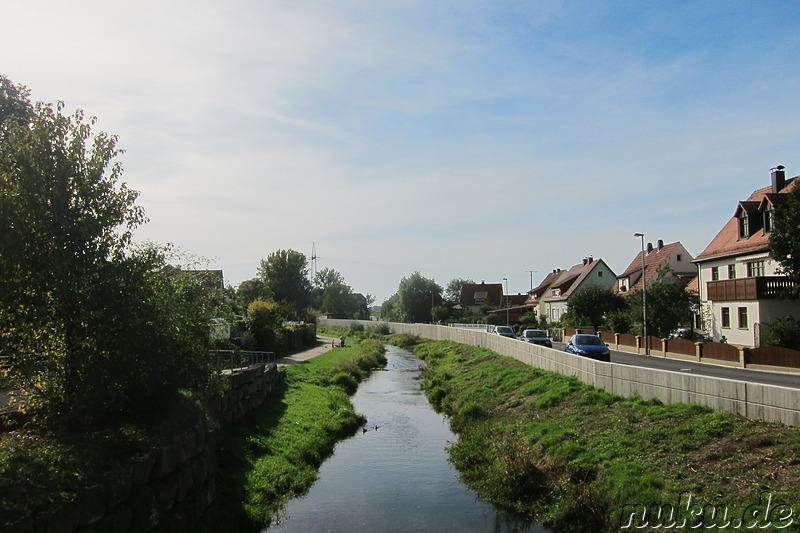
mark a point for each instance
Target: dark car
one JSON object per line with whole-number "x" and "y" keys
{"x": 504, "y": 331}
{"x": 589, "y": 346}
{"x": 536, "y": 336}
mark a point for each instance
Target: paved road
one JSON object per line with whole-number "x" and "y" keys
{"x": 791, "y": 380}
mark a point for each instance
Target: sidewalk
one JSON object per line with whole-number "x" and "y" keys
{"x": 310, "y": 353}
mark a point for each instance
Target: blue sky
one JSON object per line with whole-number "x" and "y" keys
{"x": 469, "y": 139}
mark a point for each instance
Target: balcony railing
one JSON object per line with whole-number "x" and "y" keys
{"x": 760, "y": 288}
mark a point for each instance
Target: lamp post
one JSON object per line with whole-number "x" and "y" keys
{"x": 506, "y": 291}
{"x": 644, "y": 299}
{"x": 433, "y": 314}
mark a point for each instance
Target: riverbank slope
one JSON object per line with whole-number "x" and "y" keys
{"x": 580, "y": 459}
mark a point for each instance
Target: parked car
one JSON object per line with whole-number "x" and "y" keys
{"x": 686, "y": 333}
{"x": 536, "y": 336}
{"x": 589, "y": 346}
{"x": 504, "y": 331}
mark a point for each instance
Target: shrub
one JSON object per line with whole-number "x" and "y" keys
{"x": 347, "y": 381}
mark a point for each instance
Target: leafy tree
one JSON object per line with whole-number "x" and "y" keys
{"x": 251, "y": 290}
{"x": 416, "y": 296}
{"x": 784, "y": 240}
{"x": 326, "y": 277}
{"x": 668, "y": 305}
{"x": 94, "y": 328}
{"x": 452, "y": 293}
{"x": 265, "y": 318}
{"x": 590, "y": 304}
{"x": 285, "y": 274}
{"x": 784, "y": 332}
{"x": 323, "y": 279}
{"x": 338, "y": 299}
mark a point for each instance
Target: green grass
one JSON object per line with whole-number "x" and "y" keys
{"x": 572, "y": 455}
{"x": 274, "y": 453}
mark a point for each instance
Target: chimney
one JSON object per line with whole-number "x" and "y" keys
{"x": 589, "y": 260}
{"x": 660, "y": 244}
{"x": 649, "y": 247}
{"x": 778, "y": 175}
{"x": 585, "y": 261}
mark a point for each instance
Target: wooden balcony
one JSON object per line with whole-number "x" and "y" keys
{"x": 761, "y": 288}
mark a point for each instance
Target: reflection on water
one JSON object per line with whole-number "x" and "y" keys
{"x": 394, "y": 475}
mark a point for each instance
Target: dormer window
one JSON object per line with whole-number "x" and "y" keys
{"x": 768, "y": 218}
{"x": 744, "y": 226}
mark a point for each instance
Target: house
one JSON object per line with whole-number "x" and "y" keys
{"x": 474, "y": 296}
{"x": 590, "y": 271}
{"x": 740, "y": 286}
{"x": 672, "y": 256}
{"x": 534, "y": 301}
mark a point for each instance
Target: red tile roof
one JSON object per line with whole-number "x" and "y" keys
{"x": 652, "y": 262}
{"x": 727, "y": 242}
{"x": 573, "y": 278}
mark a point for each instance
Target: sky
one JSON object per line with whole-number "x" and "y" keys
{"x": 459, "y": 139}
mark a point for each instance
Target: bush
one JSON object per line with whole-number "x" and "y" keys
{"x": 347, "y": 381}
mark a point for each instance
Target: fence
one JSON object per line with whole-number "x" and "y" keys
{"x": 238, "y": 359}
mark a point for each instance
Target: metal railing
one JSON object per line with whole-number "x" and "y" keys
{"x": 238, "y": 359}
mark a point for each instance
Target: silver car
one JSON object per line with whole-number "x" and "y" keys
{"x": 536, "y": 336}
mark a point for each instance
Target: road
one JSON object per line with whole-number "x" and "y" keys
{"x": 791, "y": 380}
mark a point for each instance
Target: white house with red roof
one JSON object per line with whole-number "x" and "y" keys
{"x": 672, "y": 256}
{"x": 590, "y": 271}
{"x": 740, "y": 287}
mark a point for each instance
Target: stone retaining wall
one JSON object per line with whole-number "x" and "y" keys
{"x": 170, "y": 488}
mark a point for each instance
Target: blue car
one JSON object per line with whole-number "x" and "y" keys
{"x": 589, "y": 346}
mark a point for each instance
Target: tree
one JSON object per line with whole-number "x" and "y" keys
{"x": 339, "y": 300}
{"x": 416, "y": 296}
{"x": 93, "y": 327}
{"x": 784, "y": 240}
{"x": 251, "y": 290}
{"x": 590, "y": 304}
{"x": 784, "y": 332}
{"x": 668, "y": 304}
{"x": 264, "y": 319}
{"x": 285, "y": 274}
{"x": 323, "y": 279}
{"x": 452, "y": 293}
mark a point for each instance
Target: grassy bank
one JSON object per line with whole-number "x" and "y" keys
{"x": 273, "y": 454}
{"x": 574, "y": 456}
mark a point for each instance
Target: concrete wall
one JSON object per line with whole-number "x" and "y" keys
{"x": 753, "y": 400}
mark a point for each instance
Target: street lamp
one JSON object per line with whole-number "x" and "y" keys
{"x": 644, "y": 299}
{"x": 506, "y": 291}
{"x": 531, "y": 273}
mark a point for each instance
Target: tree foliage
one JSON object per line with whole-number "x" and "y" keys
{"x": 251, "y": 290}
{"x": 669, "y": 305}
{"x": 452, "y": 293}
{"x": 93, "y": 327}
{"x": 590, "y": 304}
{"x": 784, "y": 240}
{"x": 415, "y": 297}
{"x": 285, "y": 275}
{"x": 338, "y": 299}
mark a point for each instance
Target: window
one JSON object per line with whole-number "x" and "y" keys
{"x": 680, "y": 257}
{"x": 599, "y": 273}
{"x": 768, "y": 218}
{"x": 480, "y": 301}
{"x": 744, "y": 226}
{"x": 742, "y": 318}
{"x": 714, "y": 273}
{"x": 732, "y": 271}
{"x": 726, "y": 317}
{"x": 755, "y": 269}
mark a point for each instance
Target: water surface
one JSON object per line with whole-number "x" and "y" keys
{"x": 394, "y": 476}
